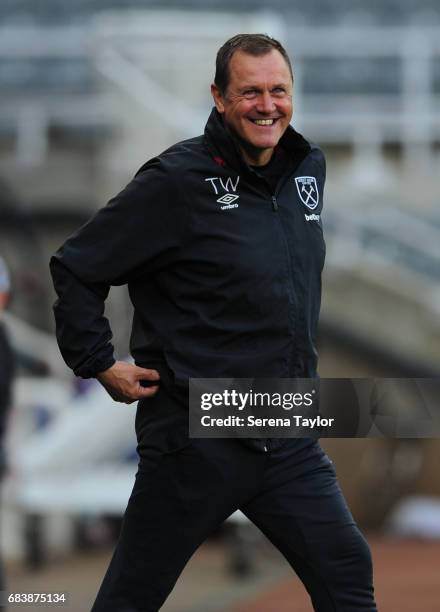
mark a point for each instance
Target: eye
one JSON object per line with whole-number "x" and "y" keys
{"x": 250, "y": 93}
{"x": 278, "y": 91}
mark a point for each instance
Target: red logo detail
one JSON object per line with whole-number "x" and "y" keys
{"x": 220, "y": 161}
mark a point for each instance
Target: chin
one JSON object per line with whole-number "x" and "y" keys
{"x": 265, "y": 144}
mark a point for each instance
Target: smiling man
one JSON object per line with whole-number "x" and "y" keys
{"x": 222, "y": 257}
{"x": 256, "y": 102}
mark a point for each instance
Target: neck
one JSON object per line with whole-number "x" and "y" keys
{"x": 256, "y": 157}
{"x": 252, "y": 156}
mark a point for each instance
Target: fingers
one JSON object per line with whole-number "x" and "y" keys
{"x": 146, "y": 374}
{"x": 147, "y": 391}
{"x": 135, "y": 393}
{"x": 123, "y": 382}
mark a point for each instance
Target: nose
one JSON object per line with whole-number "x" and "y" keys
{"x": 265, "y": 103}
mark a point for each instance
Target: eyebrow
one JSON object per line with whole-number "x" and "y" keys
{"x": 256, "y": 87}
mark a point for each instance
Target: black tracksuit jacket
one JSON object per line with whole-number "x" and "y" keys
{"x": 224, "y": 275}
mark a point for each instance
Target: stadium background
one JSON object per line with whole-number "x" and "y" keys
{"x": 89, "y": 90}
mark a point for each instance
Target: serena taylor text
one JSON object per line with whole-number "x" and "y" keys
{"x": 294, "y": 420}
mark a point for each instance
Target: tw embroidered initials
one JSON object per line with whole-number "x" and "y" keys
{"x": 228, "y": 199}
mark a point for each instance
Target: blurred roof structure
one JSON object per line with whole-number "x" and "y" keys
{"x": 318, "y": 12}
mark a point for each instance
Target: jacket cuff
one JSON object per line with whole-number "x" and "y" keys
{"x": 93, "y": 369}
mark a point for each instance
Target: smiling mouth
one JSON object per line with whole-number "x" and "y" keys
{"x": 264, "y": 121}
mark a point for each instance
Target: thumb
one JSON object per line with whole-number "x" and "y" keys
{"x": 148, "y": 391}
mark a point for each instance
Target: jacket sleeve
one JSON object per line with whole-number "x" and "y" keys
{"x": 133, "y": 236}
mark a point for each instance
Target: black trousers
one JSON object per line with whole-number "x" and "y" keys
{"x": 185, "y": 488}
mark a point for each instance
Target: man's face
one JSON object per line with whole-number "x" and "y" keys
{"x": 257, "y": 106}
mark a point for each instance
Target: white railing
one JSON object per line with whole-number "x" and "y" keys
{"x": 165, "y": 60}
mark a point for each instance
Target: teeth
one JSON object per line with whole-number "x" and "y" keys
{"x": 263, "y": 121}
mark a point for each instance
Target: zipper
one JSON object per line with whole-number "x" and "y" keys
{"x": 290, "y": 282}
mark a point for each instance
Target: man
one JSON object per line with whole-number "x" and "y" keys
{"x": 6, "y": 375}
{"x": 222, "y": 255}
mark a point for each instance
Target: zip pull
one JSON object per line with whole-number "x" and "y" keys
{"x": 274, "y": 203}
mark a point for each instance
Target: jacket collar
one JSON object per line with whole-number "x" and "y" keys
{"x": 225, "y": 151}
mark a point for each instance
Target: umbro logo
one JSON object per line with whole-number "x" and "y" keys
{"x": 229, "y": 184}
{"x": 228, "y": 200}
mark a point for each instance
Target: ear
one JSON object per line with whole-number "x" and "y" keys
{"x": 218, "y": 98}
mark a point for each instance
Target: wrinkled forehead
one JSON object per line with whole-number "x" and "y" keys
{"x": 247, "y": 70}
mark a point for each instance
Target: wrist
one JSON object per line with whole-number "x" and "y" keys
{"x": 103, "y": 371}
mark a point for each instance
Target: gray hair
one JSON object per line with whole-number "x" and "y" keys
{"x": 253, "y": 44}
